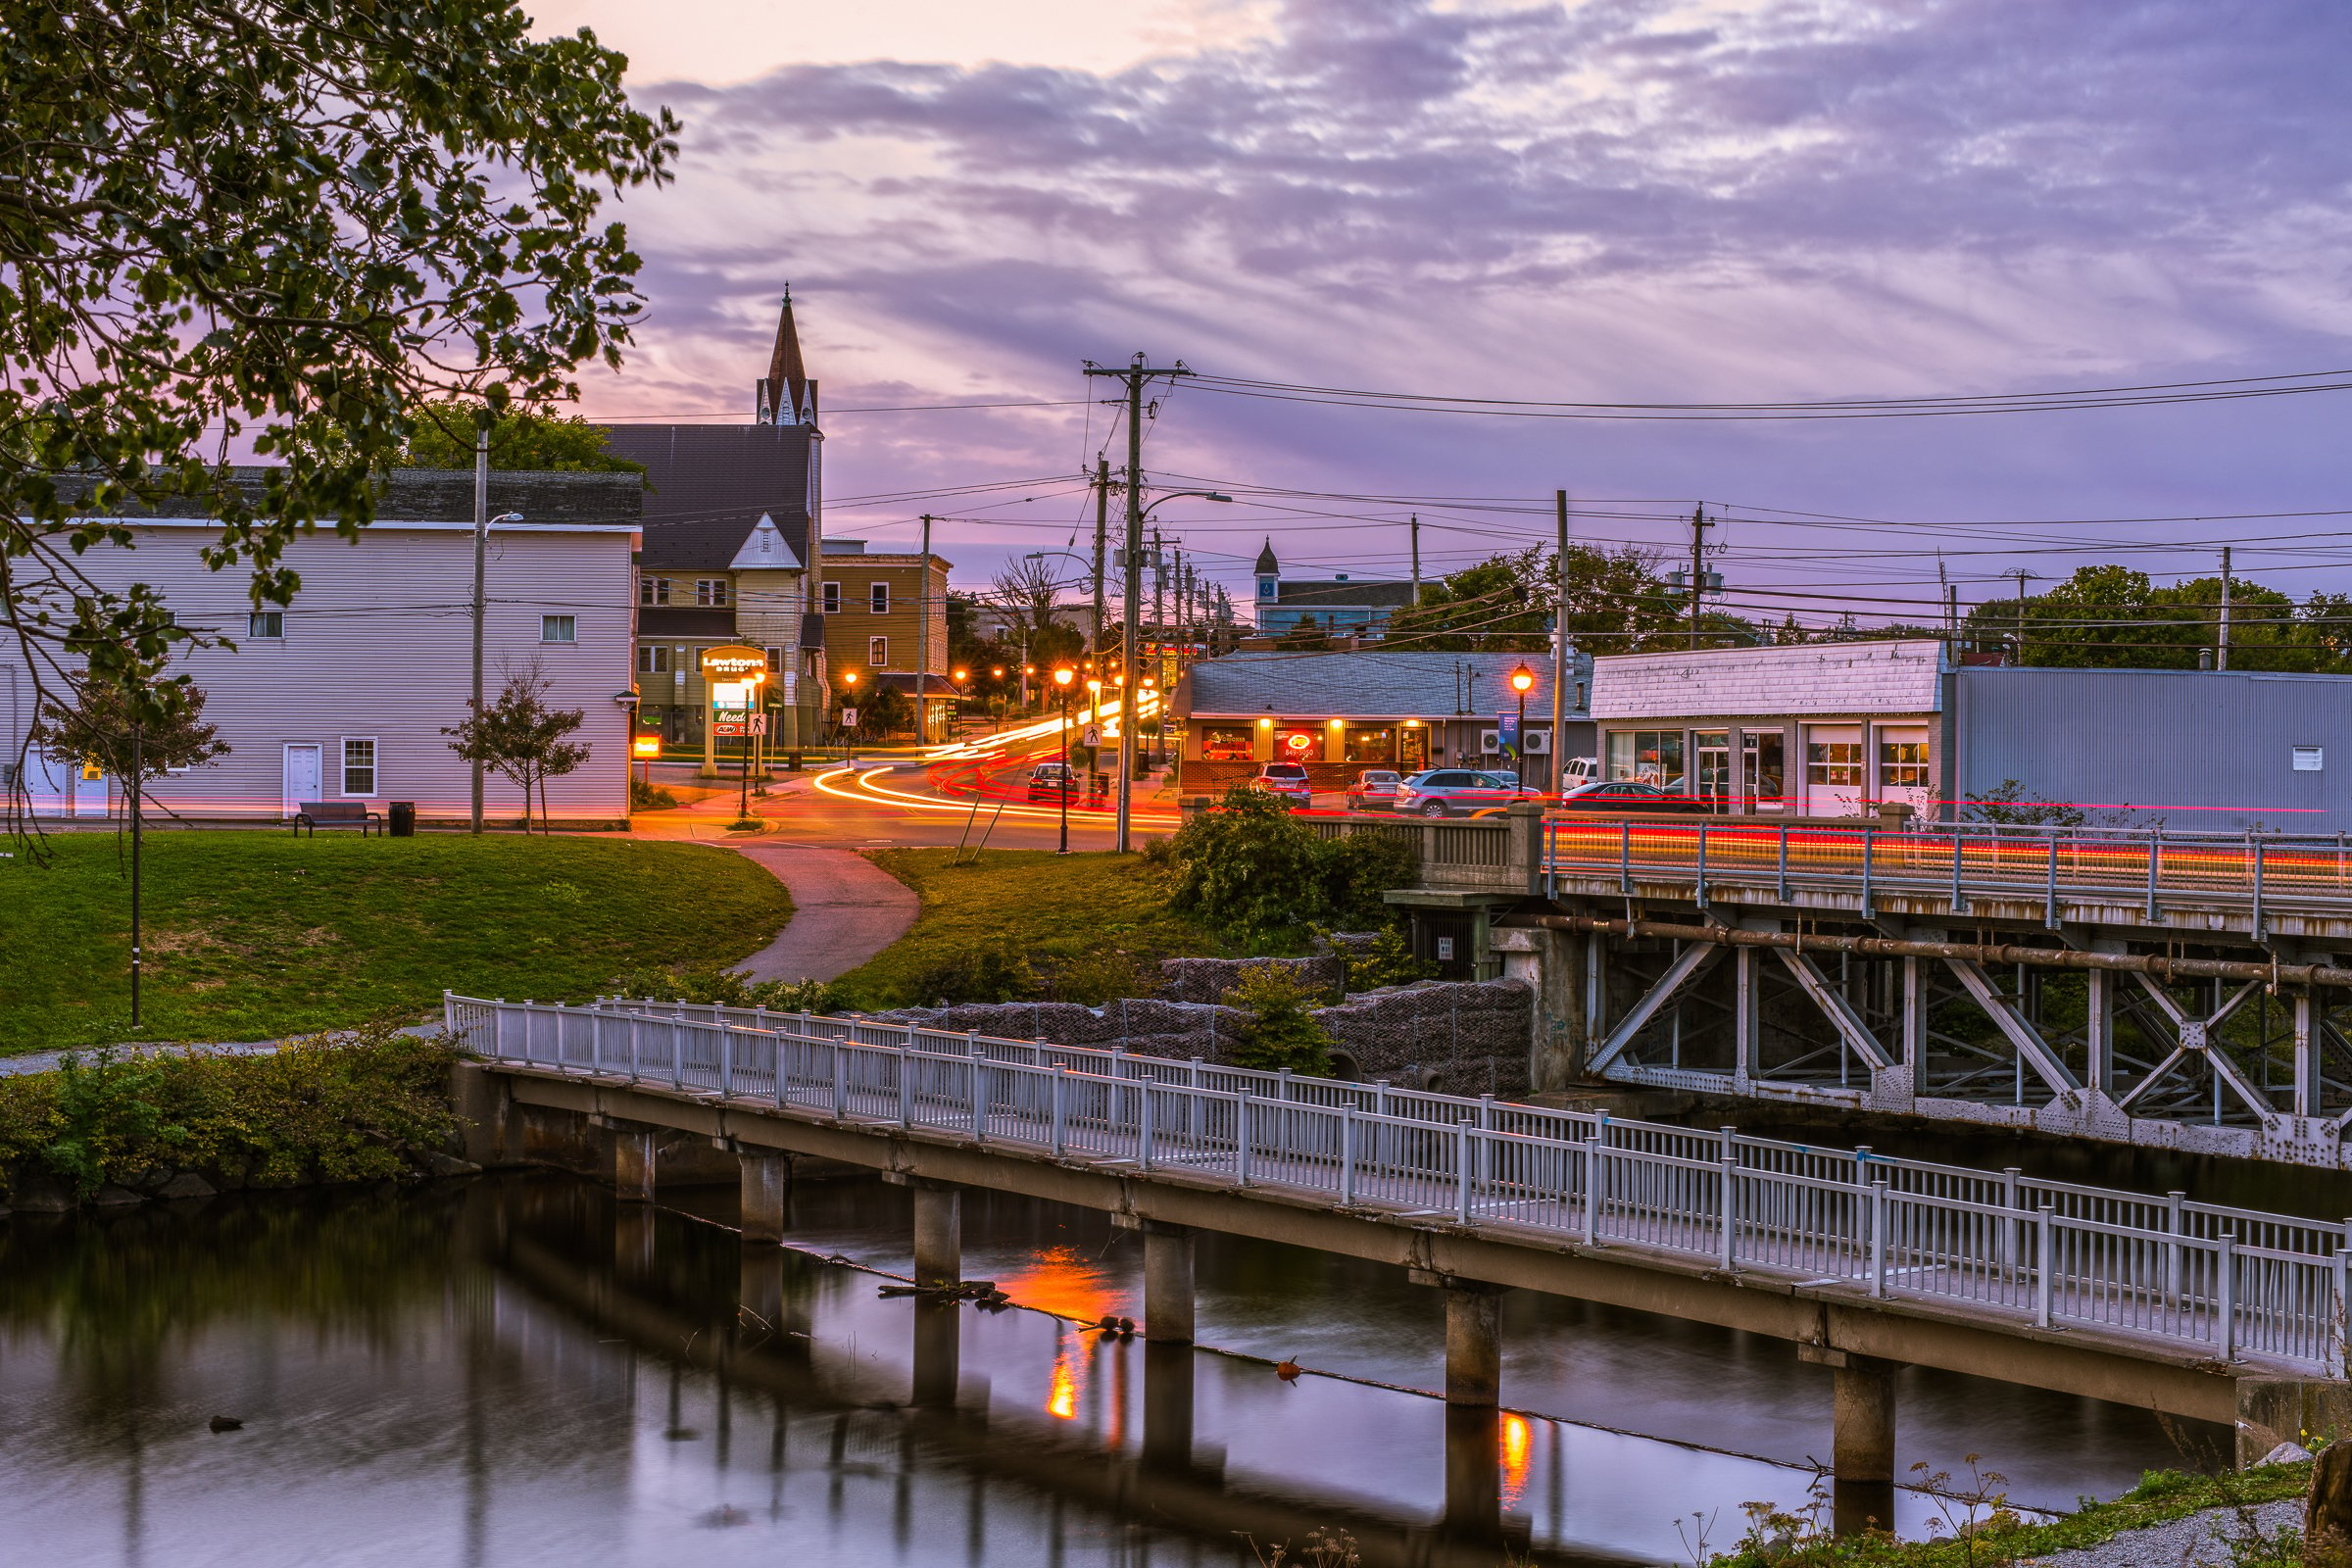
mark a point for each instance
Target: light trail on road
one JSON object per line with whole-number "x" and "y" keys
{"x": 878, "y": 794}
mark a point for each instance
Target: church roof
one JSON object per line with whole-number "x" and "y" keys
{"x": 786, "y": 395}
{"x": 766, "y": 545}
{"x": 1267, "y": 566}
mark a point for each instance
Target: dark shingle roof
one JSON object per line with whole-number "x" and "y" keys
{"x": 446, "y": 495}
{"x": 1367, "y": 685}
{"x": 684, "y": 620}
{"x": 1387, "y": 595}
{"x": 1267, "y": 566}
{"x": 711, "y": 482}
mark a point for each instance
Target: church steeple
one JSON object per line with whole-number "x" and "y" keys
{"x": 786, "y": 395}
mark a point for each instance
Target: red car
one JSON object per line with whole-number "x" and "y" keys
{"x": 1288, "y": 780}
{"x": 1624, "y": 794}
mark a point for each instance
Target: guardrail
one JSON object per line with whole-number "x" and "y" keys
{"x": 1964, "y": 860}
{"x": 2225, "y": 1281}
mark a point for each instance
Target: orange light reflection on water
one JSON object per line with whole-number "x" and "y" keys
{"x": 1518, "y": 1445}
{"x": 1062, "y": 1398}
{"x": 1062, "y": 1281}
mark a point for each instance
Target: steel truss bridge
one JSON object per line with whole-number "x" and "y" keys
{"x": 2177, "y": 990}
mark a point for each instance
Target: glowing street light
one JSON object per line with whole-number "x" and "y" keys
{"x": 1522, "y": 680}
{"x": 1061, "y": 789}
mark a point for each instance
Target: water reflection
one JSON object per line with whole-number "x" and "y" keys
{"x": 521, "y": 1371}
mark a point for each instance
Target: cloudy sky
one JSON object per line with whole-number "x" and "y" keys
{"x": 1599, "y": 201}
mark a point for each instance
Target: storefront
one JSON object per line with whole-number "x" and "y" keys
{"x": 1839, "y": 729}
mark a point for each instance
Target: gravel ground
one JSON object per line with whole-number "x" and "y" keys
{"x": 2199, "y": 1541}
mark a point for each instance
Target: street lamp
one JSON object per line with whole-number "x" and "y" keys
{"x": 1061, "y": 787}
{"x": 1522, "y": 680}
{"x": 1160, "y": 723}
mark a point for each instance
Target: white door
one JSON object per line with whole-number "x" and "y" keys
{"x": 302, "y": 777}
{"x": 49, "y": 783}
{"x": 1834, "y": 769}
{"x": 1904, "y": 766}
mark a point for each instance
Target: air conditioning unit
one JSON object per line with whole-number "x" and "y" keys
{"x": 1490, "y": 741}
{"x": 1539, "y": 743}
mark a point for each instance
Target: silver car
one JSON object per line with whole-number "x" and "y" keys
{"x": 1457, "y": 792}
{"x": 1373, "y": 790}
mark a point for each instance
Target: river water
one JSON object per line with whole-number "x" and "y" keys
{"x": 517, "y": 1371}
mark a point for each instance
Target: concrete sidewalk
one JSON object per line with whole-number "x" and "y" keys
{"x": 845, "y": 909}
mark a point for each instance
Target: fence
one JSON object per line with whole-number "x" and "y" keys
{"x": 2048, "y": 865}
{"x": 2223, "y": 1280}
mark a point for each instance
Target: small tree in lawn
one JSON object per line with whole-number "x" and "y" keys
{"x": 520, "y": 738}
{"x": 125, "y": 734}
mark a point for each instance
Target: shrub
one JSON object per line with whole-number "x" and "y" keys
{"x": 998, "y": 972}
{"x": 644, "y": 797}
{"x": 1280, "y": 1030}
{"x": 1094, "y": 978}
{"x": 1388, "y": 962}
{"x": 1253, "y": 870}
{"x": 339, "y": 1110}
{"x": 710, "y": 983}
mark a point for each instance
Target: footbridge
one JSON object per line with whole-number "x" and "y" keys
{"x": 2177, "y": 990}
{"x": 1856, "y": 1260}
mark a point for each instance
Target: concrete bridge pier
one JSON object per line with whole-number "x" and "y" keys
{"x": 1861, "y": 1440}
{"x": 766, "y": 1196}
{"x": 633, "y": 1161}
{"x": 938, "y": 1353}
{"x": 1473, "y": 1344}
{"x": 633, "y": 1241}
{"x": 1168, "y": 1278}
{"x": 1473, "y": 1413}
{"x": 938, "y": 1234}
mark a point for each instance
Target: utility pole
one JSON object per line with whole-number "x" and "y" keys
{"x": 1699, "y": 564}
{"x": 1412, "y": 525}
{"x": 1159, "y": 584}
{"x": 922, "y": 632}
{"x": 138, "y": 779}
{"x": 2020, "y": 615}
{"x": 1559, "y": 648}
{"x": 2222, "y": 657}
{"x": 1101, "y": 526}
{"x": 1136, "y": 373}
{"x": 481, "y": 552}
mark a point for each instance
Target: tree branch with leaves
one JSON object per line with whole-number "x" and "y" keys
{"x": 521, "y": 738}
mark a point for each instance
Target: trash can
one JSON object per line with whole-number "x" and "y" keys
{"x": 404, "y": 819}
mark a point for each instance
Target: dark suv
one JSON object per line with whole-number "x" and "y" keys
{"x": 1288, "y": 780}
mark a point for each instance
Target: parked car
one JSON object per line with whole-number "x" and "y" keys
{"x": 1457, "y": 792}
{"x": 1288, "y": 781}
{"x": 1052, "y": 781}
{"x": 1624, "y": 794}
{"x": 1374, "y": 790}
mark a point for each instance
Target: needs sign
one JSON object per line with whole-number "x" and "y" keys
{"x": 734, "y": 662}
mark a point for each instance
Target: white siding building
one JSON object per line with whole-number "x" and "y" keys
{"x": 343, "y": 694}
{"x": 1816, "y": 729}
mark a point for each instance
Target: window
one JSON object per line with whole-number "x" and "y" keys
{"x": 1902, "y": 764}
{"x": 1226, "y": 743}
{"x": 829, "y": 602}
{"x": 652, "y": 589}
{"x": 266, "y": 624}
{"x": 1647, "y": 757}
{"x": 710, "y": 592}
{"x": 1370, "y": 745}
{"x": 877, "y": 650}
{"x": 358, "y": 767}
{"x": 653, "y": 658}
{"x": 1835, "y": 763}
{"x": 877, "y": 598}
{"x": 559, "y": 629}
{"x": 775, "y": 661}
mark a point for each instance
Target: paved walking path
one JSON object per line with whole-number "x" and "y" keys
{"x": 845, "y": 909}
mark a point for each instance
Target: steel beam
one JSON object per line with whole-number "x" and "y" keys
{"x": 1692, "y": 958}
{"x": 2029, "y": 1045}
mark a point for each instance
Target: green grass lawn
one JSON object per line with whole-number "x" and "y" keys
{"x": 1055, "y": 908}
{"x": 253, "y": 935}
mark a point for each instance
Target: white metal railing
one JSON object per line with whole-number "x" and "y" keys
{"x": 2223, "y": 1280}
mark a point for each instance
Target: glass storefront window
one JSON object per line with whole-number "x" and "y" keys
{"x": 1229, "y": 742}
{"x": 1767, "y": 766}
{"x": 1412, "y": 749}
{"x": 1364, "y": 743}
{"x": 1834, "y": 764}
{"x": 1647, "y": 755}
{"x": 1298, "y": 744}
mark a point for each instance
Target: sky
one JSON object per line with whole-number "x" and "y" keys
{"x": 1597, "y": 201}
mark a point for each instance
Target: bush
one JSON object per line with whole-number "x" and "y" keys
{"x": 1280, "y": 1030}
{"x": 1094, "y": 978}
{"x": 353, "y": 1109}
{"x": 644, "y": 797}
{"x": 998, "y": 972}
{"x": 1388, "y": 962}
{"x": 1254, "y": 871}
{"x": 712, "y": 984}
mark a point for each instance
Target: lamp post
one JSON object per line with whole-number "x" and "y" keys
{"x": 1062, "y": 788}
{"x": 996, "y": 698}
{"x": 751, "y": 707}
{"x": 1159, "y": 723}
{"x": 1523, "y": 680}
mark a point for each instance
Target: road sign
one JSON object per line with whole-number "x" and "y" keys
{"x": 759, "y": 723}
{"x": 1091, "y": 736}
{"x": 849, "y": 719}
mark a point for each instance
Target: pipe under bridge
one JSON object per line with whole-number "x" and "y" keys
{"x": 1856, "y": 1260}
{"x": 2174, "y": 990}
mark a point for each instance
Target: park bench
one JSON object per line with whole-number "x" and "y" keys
{"x": 316, "y": 814}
